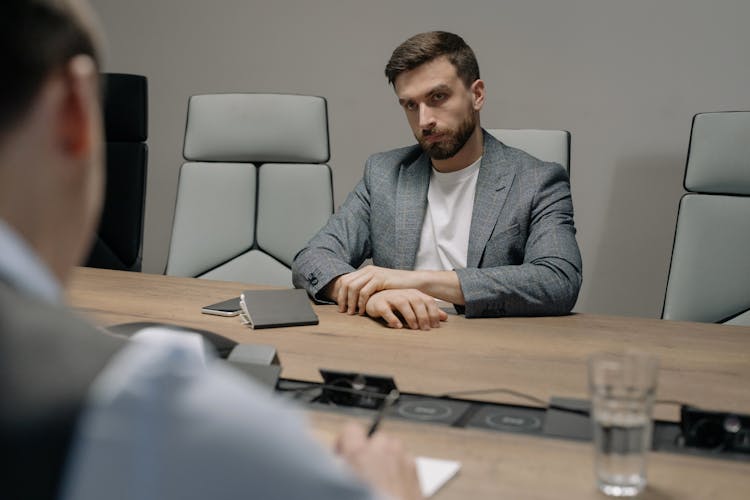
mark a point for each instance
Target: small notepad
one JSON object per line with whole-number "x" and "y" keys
{"x": 434, "y": 473}
{"x": 276, "y": 308}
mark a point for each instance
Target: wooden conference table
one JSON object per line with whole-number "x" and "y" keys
{"x": 702, "y": 364}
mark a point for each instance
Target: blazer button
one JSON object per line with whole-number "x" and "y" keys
{"x": 314, "y": 281}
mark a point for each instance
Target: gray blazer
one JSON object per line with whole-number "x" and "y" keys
{"x": 523, "y": 258}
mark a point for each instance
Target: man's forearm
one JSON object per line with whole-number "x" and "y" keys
{"x": 443, "y": 285}
{"x": 546, "y": 288}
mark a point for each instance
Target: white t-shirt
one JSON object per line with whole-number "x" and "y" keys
{"x": 444, "y": 243}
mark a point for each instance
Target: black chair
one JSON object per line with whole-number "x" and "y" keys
{"x": 119, "y": 241}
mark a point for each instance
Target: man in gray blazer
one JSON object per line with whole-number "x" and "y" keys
{"x": 458, "y": 217}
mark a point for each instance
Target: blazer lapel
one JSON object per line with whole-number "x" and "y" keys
{"x": 411, "y": 203}
{"x": 496, "y": 175}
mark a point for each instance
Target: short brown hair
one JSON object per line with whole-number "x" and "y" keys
{"x": 425, "y": 47}
{"x": 37, "y": 37}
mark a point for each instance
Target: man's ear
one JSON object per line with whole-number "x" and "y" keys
{"x": 477, "y": 93}
{"x": 79, "y": 107}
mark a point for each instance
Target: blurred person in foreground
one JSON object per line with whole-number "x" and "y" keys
{"x": 86, "y": 415}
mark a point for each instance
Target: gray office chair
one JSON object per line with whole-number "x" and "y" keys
{"x": 547, "y": 145}
{"x": 254, "y": 188}
{"x": 709, "y": 276}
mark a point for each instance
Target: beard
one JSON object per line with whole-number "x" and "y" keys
{"x": 452, "y": 140}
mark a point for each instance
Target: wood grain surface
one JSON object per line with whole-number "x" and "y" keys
{"x": 703, "y": 364}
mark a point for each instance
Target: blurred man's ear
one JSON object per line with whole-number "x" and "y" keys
{"x": 80, "y": 111}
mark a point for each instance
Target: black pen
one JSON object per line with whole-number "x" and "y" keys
{"x": 387, "y": 403}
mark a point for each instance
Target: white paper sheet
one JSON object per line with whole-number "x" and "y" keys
{"x": 434, "y": 473}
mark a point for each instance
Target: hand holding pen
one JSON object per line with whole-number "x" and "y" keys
{"x": 385, "y": 407}
{"x": 379, "y": 459}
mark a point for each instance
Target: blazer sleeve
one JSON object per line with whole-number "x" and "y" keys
{"x": 548, "y": 280}
{"x": 339, "y": 247}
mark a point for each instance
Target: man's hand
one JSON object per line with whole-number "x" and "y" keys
{"x": 418, "y": 309}
{"x": 352, "y": 291}
{"x": 380, "y": 461}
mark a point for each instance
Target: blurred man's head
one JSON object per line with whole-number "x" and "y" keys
{"x": 51, "y": 138}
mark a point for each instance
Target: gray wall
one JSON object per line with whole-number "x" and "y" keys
{"x": 625, "y": 77}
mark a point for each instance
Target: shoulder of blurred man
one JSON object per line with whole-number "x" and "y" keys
{"x": 48, "y": 360}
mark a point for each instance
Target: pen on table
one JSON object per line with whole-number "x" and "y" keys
{"x": 387, "y": 403}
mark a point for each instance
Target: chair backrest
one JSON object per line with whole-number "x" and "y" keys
{"x": 254, "y": 189}
{"x": 119, "y": 242}
{"x": 547, "y": 145}
{"x": 709, "y": 275}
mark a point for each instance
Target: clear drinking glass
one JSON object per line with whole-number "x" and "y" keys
{"x": 622, "y": 388}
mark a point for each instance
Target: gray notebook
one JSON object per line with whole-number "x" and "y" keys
{"x": 276, "y": 308}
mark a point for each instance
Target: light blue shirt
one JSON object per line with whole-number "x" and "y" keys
{"x": 22, "y": 268}
{"x": 166, "y": 420}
